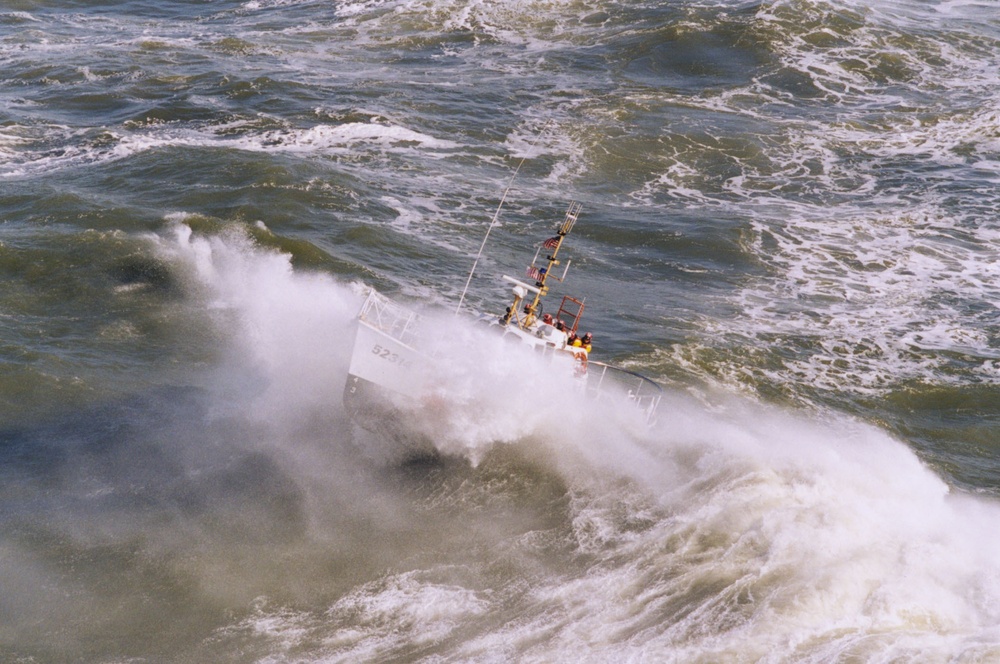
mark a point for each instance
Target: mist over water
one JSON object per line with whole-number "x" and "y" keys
{"x": 788, "y": 221}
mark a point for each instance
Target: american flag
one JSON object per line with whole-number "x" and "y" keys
{"x": 535, "y": 273}
{"x": 551, "y": 243}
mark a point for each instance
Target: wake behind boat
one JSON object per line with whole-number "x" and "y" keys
{"x": 392, "y": 360}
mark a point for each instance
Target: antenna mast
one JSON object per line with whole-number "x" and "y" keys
{"x": 496, "y": 215}
{"x": 540, "y": 275}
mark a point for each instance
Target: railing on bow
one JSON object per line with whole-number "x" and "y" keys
{"x": 603, "y": 379}
{"x": 393, "y": 319}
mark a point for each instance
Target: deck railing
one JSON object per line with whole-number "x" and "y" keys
{"x": 393, "y": 319}
{"x": 604, "y": 380}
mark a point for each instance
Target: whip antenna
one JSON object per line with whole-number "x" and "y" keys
{"x": 496, "y": 215}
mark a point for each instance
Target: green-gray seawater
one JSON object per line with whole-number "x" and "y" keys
{"x": 788, "y": 220}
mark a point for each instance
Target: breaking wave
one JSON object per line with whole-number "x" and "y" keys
{"x": 727, "y": 530}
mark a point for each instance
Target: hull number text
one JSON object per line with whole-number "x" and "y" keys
{"x": 389, "y": 356}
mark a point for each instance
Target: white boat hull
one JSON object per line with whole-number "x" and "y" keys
{"x": 380, "y": 359}
{"x": 386, "y": 374}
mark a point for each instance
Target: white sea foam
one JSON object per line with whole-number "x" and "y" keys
{"x": 760, "y": 536}
{"x": 782, "y": 544}
{"x": 724, "y": 532}
{"x": 371, "y": 622}
{"x": 737, "y": 534}
{"x": 874, "y": 295}
{"x": 34, "y": 150}
{"x": 284, "y": 332}
{"x": 873, "y": 280}
{"x": 727, "y": 533}
{"x": 121, "y": 36}
{"x": 358, "y": 132}
{"x": 419, "y": 610}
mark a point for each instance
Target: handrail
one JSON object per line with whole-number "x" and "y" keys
{"x": 602, "y": 380}
{"x": 645, "y": 392}
{"x": 389, "y": 317}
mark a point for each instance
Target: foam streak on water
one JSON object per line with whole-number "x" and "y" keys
{"x": 732, "y": 532}
{"x": 788, "y": 219}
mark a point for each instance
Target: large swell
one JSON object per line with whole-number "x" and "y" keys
{"x": 788, "y": 220}
{"x": 726, "y": 530}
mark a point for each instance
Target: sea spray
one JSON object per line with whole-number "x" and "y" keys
{"x": 731, "y": 530}
{"x": 794, "y": 201}
{"x": 759, "y": 535}
{"x": 287, "y": 334}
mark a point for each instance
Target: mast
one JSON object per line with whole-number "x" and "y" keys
{"x": 496, "y": 215}
{"x": 540, "y": 275}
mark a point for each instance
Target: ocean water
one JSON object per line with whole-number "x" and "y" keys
{"x": 788, "y": 220}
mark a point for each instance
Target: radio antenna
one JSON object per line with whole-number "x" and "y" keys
{"x": 496, "y": 215}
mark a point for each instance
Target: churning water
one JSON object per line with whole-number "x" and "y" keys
{"x": 788, "y": 220}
